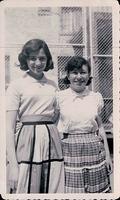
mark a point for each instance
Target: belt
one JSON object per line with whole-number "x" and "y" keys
{"x": 35, "y": 120}
{"x": 66, "y": 135}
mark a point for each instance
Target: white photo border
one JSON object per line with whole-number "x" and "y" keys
{"x": 116, "y": 88}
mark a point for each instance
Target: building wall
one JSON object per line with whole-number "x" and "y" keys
{"x": 23, "y": 24}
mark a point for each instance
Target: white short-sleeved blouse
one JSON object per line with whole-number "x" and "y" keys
{"x": 30, "y": 96}
{"x": 78, "y": 111}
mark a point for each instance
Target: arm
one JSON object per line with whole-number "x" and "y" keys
{"x": 56, "y": 108}
{"x": 103, "y": 135}
{"x": 11, "y": 117}
{"x": 56, "y": 116}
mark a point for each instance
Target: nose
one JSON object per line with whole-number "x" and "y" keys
{"x": 79, "y": 75}
{"x": 38, "y": 62}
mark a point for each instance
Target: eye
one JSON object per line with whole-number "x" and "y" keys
{"x": 33, "y": 58}
{"x": 83, "y": 72}
{"x": 42, "y": 59}
{"x": 75, "y": 72}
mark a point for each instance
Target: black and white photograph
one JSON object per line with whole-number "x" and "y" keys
{"x": 60, "y": 94}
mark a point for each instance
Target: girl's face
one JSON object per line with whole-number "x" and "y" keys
{"x": 37, "y": 63}
{"x": 78, "y": 78}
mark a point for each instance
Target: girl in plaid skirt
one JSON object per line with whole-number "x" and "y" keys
{"x": 86, "y": 154}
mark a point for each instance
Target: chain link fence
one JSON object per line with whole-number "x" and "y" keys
{"x": 101, "y": 25}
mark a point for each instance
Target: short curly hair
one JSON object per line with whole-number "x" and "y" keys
{"x": 76, "y": 62}
{"x": 32, "y": 46}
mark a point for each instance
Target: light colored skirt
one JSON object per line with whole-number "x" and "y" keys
{"x": 40, "y": 159}
{"x": 85, "y": 164}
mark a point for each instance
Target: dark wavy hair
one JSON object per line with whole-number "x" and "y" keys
{"x": 76, "y": 62}
{"x": 32, "y": 46}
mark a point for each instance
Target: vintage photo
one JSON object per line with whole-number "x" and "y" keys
{"x": 59, "y": 93}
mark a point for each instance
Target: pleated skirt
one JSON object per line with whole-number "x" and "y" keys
{"x": 85, "y": 164}
{"x": 40, "y": 159}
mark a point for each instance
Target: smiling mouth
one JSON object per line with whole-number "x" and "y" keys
{"x": 37, "y": 68}
{"x": 79, "y": 82}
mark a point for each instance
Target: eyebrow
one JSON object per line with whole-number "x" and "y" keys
{"x": 80, "y": 69}
{"x": 33, "y": 56}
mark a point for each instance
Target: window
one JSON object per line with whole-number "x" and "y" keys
{"x": 72, "y": 22}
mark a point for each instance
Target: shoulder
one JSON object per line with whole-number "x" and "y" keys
{"x": 98, "y": 99}
{"x": 63, "y": 94}
{"x": 17, "y": 84}
{"x": 96, "y": 95}
{"x": 51, "y": 83}
{"x": 50, "y": 79}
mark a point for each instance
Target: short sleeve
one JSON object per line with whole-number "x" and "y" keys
{"x": 100, "y": 102}
{"x": 12, "y": 97}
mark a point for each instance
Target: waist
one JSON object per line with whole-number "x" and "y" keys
{"x": 84, "y": 134}
{"x": 35, "y": 119}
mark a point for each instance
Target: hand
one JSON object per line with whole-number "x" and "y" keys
{"x": 109, "y": 164}
{"x": 56, "y": 116}
{"x": 13, "y": 177}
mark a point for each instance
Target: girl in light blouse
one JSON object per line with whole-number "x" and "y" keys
{"x": 35, "y": 160}
{"x": 86, "y": 154}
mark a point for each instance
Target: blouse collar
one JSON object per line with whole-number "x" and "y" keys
{"x": 33, "y": 80}
{"x": 81, "y": 94}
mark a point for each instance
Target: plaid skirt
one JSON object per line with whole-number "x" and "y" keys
{"x": 85, "y": 164}
{"x": 39, "y": 155}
